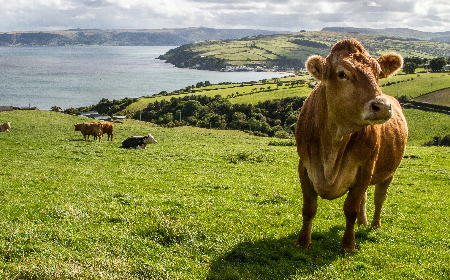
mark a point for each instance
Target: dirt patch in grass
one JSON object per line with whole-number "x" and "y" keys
{"x": 439, "y": 97}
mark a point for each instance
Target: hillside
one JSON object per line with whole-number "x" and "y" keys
{"x": 291, "y": 50}
{"x": 117, "y": 37}
{"x": 396, "y": 32}
{"x": 203, "y": 205}
{"x": 267, "y": 108}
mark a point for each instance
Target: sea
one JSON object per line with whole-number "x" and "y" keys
{"x": 80, "y": 76}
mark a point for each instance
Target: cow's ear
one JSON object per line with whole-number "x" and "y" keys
{"x": 316, "y": 66}
{"x": 390, "y": 63}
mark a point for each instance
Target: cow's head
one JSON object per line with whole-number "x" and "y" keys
{"x": 350, "y": 77}
{"x": 150, "y": 139}
{"x": 78, "y": 126}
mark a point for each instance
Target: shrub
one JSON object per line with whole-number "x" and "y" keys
{"x": 290, "y": 142}
{"x": 281, "y": 134}
{"x": 439, "y": 141}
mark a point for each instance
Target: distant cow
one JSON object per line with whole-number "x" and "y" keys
{"x": 138, "y": 142}
{"x": 88, "y": 129}
{"x": 5, "y": 127}
{"x": 107, "y": 127}
{"x": 349, "y": 135}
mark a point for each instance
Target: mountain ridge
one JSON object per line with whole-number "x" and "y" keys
{"x": 125, "y": 37}
{"x": 406, "y": 33}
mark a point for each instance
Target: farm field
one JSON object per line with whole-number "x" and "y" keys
{"x": 244, "y": 93}
{"x": 411, "y": 85}
{"x": 293, "y": 49}
{"x": 203, "y": 204}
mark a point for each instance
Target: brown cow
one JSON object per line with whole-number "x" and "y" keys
{"x": 90, "y": 129}
{"x": 349, "y": 135}
{"x": 5, "y": 127}
{"x": 107, "y": 128}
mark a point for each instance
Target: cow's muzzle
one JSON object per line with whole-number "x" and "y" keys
{"x": 377, "y": 111}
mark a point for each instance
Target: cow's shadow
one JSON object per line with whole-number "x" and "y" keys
{"x": 278, "y": 258}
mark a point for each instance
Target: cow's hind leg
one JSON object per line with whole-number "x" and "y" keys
{"x": 362, "y": 216}
{"x": 309, "y": 208}
{"x": 380, "y": 196}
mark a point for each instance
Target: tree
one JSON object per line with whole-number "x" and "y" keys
{"x": 436, "y": 64}
{"x": 409, "y": 68}
{"x": 166, "y": 118}
{"x": 239, "y": 120}
{"x": 190, "y": 108}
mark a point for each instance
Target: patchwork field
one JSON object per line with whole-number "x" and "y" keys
{"x": 293, "y": 49}
{"x": 203, "y": 204}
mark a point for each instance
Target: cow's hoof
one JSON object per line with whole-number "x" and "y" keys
{"x": 375, "y": 225}
{"x": 348, "y": 250}
{"x": 302, "y": 245}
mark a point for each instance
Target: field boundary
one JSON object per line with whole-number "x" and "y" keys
{"x": 426, "y": 107}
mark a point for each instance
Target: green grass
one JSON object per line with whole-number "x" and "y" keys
{"x": 272, "y": 50}
{"x": 419, "y": 85}
{"x": 247, "y": 93}
{"x": 411, "y": 85}
{"x": 202, "y": 205}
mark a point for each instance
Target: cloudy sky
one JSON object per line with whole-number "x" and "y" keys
{"x": 279, "y": 15}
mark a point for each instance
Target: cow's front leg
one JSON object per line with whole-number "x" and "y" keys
{"x": 351, "y": 210}
{"x": 309, "y": 208}
{"x": 352, "y": 207}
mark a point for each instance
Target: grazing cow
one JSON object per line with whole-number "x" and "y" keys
{"x": 88, "y": 129}
{"x": 349, "y": 135}
{"x": 138, "y": 142}
{"x": 107, "y": 127}
{"x": 5, "y": 127}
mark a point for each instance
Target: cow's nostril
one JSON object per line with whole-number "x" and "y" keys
{"x": 375, "y": 107}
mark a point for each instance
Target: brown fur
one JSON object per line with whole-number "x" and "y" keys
{"x": 349, "y": 136}
{"x": 107, "y": 128}
{"x": 88, "y": 129}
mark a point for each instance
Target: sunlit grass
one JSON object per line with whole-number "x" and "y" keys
{"x": 202, "y": 205}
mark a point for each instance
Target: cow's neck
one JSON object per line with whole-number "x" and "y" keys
{"x": 334, "y": 138}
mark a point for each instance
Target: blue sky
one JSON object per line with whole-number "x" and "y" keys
{"x": 279, "y": 15}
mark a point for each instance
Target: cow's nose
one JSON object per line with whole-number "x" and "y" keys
{"x": 378, "y": 110}
{"x": 378, "y": 106}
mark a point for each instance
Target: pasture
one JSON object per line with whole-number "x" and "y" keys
{"x": 203, "y": 204}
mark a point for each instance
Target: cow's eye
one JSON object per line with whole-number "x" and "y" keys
{"x": 342, "y": 75}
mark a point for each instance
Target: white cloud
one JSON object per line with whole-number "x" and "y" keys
{"x": 285, "y": 15}
{"x": 373, "y": 4}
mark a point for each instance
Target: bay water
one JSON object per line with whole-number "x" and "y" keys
{"x": 72, "y": 77}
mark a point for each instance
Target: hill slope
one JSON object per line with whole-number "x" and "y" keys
{"x": 291, "y": 50}
{"x": 202, "y": 205}
{"x": 396, "y": 32}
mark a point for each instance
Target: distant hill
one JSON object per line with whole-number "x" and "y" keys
{"x": 396, "y": 32}
{"x": 290, "y": 51}
{"x": 128, "y": 37}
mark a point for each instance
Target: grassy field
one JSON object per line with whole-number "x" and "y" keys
{"x": 415, "y": 85}
{"x": 243, "y": 93}
{"x": 203, "y": 204}
{"x": 411, "y": 85}
{"x": 283, "y": 49}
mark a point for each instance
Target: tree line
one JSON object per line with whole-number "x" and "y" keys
{"x": 275, "y": 118}
{"x": 436, "y": 64}
{"x": 269, "y": 118}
